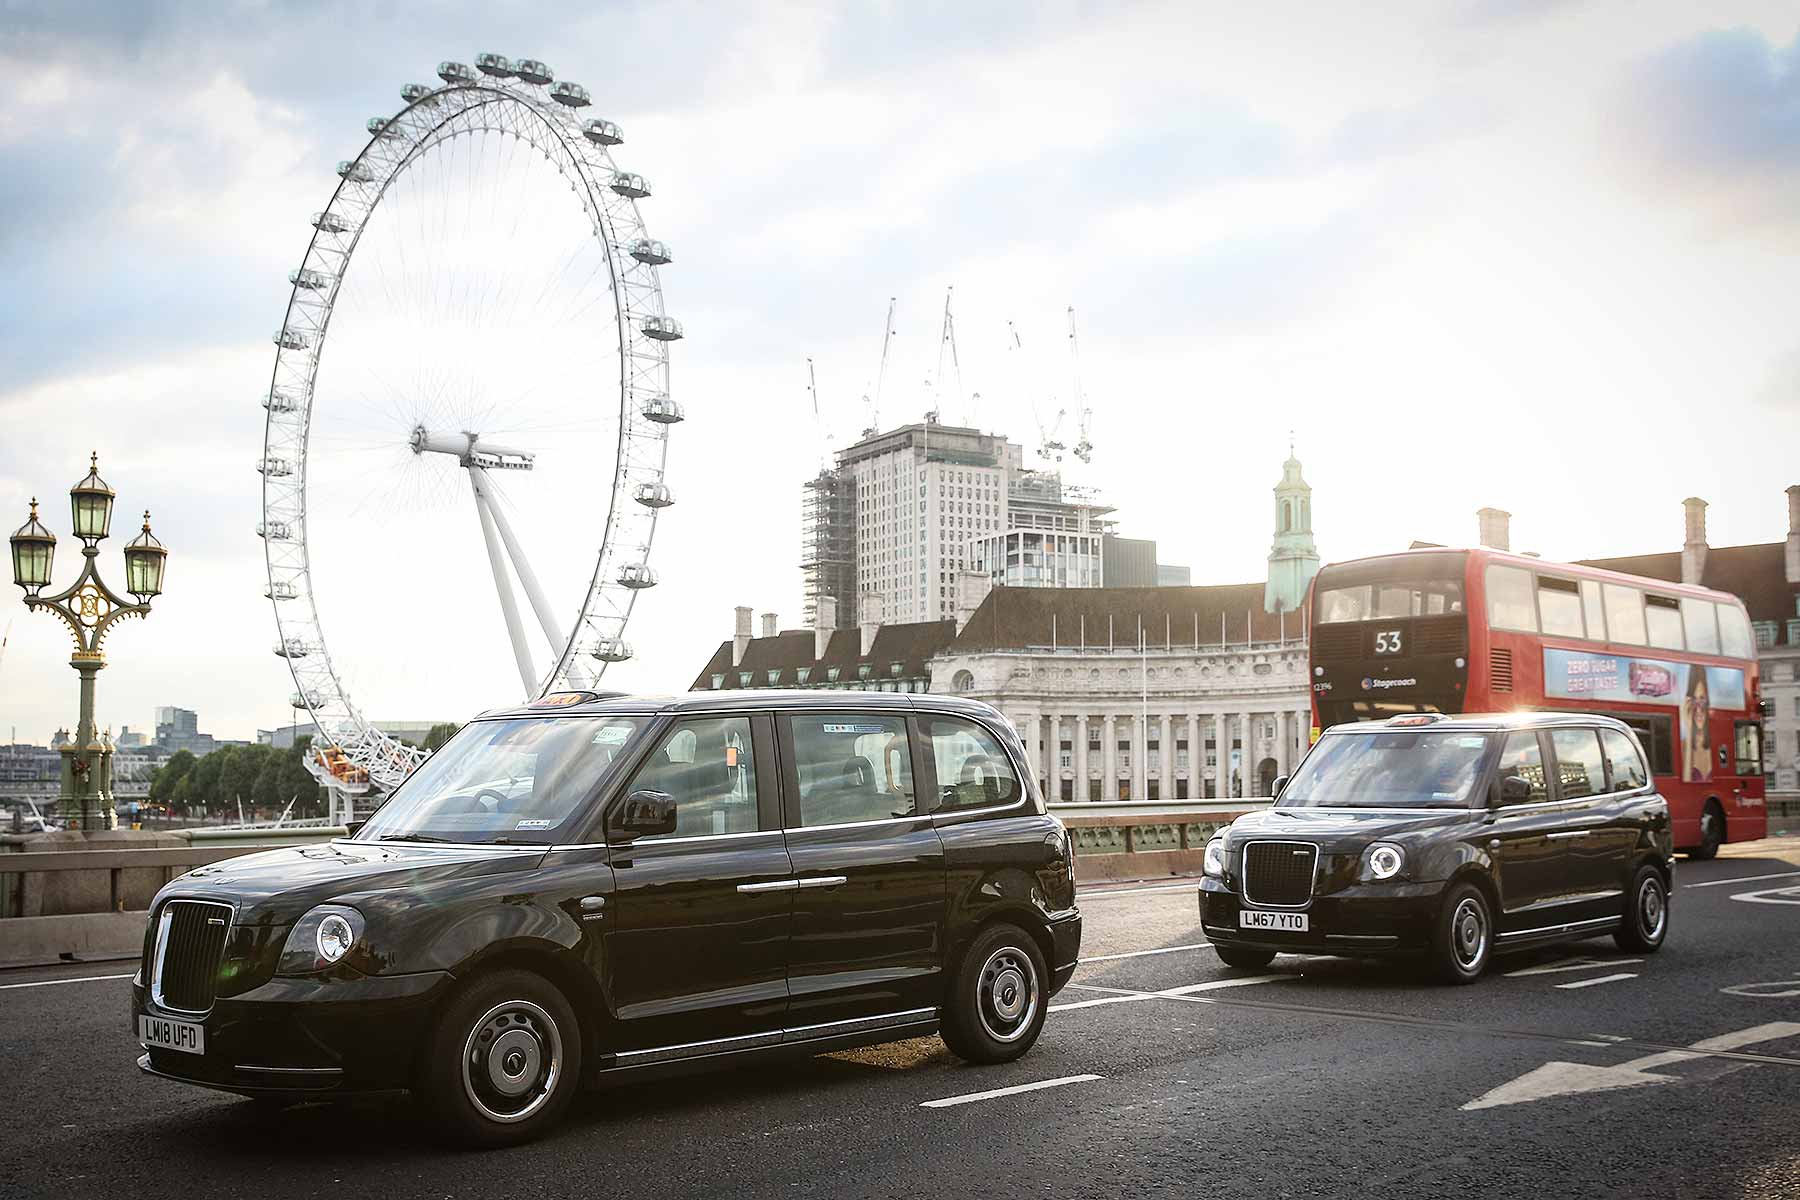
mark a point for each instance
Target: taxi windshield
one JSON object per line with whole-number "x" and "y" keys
{"x": 1390, "y": 769}
{"x": 517, "y": 781}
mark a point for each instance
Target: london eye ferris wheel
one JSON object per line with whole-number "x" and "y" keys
{"x": 498, "y": 377}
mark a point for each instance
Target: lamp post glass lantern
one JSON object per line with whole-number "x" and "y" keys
{"x": 89, "y": 608}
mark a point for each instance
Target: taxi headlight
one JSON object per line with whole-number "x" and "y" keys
{"x": 1214, "y": 864}
{"x": 1383, "y": 860}
{"x": 320, "y": 939}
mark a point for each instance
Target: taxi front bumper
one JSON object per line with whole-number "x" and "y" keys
{"x": 1364, "y": 919}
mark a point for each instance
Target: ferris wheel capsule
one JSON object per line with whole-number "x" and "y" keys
{"x": 662, "y": 410}
{"x": 280, "y": 400}
{"x": 455, "y": 72}
{"x": 330, "y": 222}
{"x": 281, "y": 590}
{"x": 292, "y": 648}
{"x": 651, "y": 252}
{"x": 354, "y": 171}
{"x": 604, "y": 132}
{"x": 654, "y": 495}
{"x": 611, "y": 650}
{"x": 497, "y": 65}
{"x": 663, "y": 329}
{"x": 274, "y": 466}
{"x": 628, "y": 184}
{"x": 412, "y": 93}
{"x": 533, "y": 71}
{"x": 309, "y": 279}
{"x": 572, "y": 95}
{"x": 275, "y": 531}
{"x": 307, "y": 700}
{"x": 290, "y": 339}
{"x": 637, "y": 576}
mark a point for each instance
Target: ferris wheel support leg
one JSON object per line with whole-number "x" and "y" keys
{"x": 522, "y": 567}
{"x": 509, "y": 607}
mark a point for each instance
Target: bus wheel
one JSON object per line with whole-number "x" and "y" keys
{"x": 1712, "y": 832}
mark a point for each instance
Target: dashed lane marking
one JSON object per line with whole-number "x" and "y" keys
{"x": 48, "y": 982}
{"x": 1146, "y": 953}
{"x": 1742, "y": 879}
{"x": 1570, "y": 964}
{"x": 1040, "y": 1085}
{"x": 1583, "y": 983}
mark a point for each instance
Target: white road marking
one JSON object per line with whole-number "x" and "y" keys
{"x": 1161, "y": 887}
{"x": 1569, "y": 964}
{"x": 1775, "y": 989}
{"x": 1130, "y": 996}
{"x": 1742, "y": 879}
{"x": 1215, "y": 984}
{"x": 972, "y": 1097}
{"x": 1568, "y": 1079}
{"x": 1146, "y": 953}
{"x": 1581, "y": 983}
{"x": 48, "y": 982}
{"x": 1781, "y": 895}
{"x": 1100, "y": 1001}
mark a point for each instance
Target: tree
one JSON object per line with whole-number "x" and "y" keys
{"x": 237, "y": 774}
{"x": 164, "y": 778}
{"x": 203, "y": 780}
{"x": 438, "y": 734}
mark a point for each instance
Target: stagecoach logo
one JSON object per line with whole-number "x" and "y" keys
{"x": 1376, "y": 685}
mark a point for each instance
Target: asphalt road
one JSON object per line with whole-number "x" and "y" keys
{"x": 1561, "y": 1074}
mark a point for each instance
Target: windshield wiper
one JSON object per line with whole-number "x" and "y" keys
{"x": 409, "y": 837}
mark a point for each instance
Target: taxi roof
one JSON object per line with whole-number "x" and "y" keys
{"x": 1484, "y": 722}
{"x": 734, "y": 700}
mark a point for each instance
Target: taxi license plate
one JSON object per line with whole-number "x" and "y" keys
{"x": 162, "y": 1033}
{"x": 1287, "y": 922}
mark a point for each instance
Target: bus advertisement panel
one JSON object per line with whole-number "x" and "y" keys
{"x": 1696, "y": 689}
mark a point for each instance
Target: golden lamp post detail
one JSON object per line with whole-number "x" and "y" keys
{"x": 89, "y": 608}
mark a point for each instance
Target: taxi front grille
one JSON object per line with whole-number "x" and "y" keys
{"x": 190, "y": 942}
{"x": 1279, "y": 873}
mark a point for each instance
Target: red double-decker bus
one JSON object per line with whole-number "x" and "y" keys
{"x": 1484, "y": 631}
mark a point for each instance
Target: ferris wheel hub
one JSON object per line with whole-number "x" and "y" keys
{"x": 470, "y": 451}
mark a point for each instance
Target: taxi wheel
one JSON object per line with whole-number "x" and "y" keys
{"x": 1646, "y": 913}
{"x": 503, "y": 1061}
{"x": 1244, "y": 958}
{"x": 1462, "y": 939}
{"x": 998, "y": 998}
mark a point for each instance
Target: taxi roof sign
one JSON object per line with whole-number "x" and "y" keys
{"x": 1417, "y": 719}
{"x": 563, "y": 699}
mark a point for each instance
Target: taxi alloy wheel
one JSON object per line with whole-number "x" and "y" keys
{"x": 1646, "y": 920}
{"x": 503, "y": 1061}
{"x": 998, "y": 999}
{"x": 1463, "y": 940}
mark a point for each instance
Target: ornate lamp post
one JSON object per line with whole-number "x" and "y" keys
{"x": 89, "y": 609}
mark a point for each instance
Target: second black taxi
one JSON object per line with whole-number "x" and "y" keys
{"x": 610, "y": 886}
{"x": 1452, "y": 837}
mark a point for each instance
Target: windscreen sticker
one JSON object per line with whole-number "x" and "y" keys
{"x": 535, "y": 824}
{"x": 1470, "y": 743}
{"x": 611, "y": 735}
{"x": 856, "y": 728}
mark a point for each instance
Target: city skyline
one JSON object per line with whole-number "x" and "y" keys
{"x": 1525, "y": 255}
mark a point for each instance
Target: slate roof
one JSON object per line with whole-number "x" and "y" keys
{"x": 1228, "y": 614}
{"x": 911, "y": 645}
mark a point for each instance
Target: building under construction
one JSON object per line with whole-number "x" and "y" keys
{"x": 828, "y": 545}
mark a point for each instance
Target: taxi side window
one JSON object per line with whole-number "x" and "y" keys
{"x": 852, "y": 767}
{"x": 972, "y": 770}
{"x": 1580, "y": 768}
{"x": 706, "y": 765}
{"x": 1623, "y": 760}
{"x": 1523, "y": 757}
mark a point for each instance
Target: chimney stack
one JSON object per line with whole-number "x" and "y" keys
{"x": 1693, "y": 547}
{"x": 770, "y": 625}
{"x": 823, "y": 625}
{"x": 1793, "y": 538}
{"x": 1495, "y": 528}
{"x": 740, "y": 637}
{"x": 870, "y": 611}
{"x": 972, "y": 587}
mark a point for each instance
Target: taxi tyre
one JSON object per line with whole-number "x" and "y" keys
{"x": 1244, "y": 958}
{"x": 518, "y": 1033}
{"x": 1462, "y": 937}
{"x": 999, "y": 997}
{"x": 1646, "y": 921}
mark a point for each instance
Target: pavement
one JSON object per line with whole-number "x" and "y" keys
{"x": 1576, "y": 1071}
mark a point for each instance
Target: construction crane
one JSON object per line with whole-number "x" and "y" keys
{"x": 1084, "y": 415}
{"x": 1050, "y": 444}
{"x": 4, "y": 638}
{"x": 873, "y": 406}
{"x": 824, "y": 435}
{"x": 947, "y": 341}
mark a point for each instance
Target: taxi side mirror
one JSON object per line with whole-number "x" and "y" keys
{"x": 1515, "y": 789}
{"x": 645, "y": 814}
{"x": 1276, "y": 788}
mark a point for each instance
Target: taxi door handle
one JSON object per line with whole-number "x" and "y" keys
{"x": 1568, "y": 833}
{"x": 593, "y": 903}
{"x": 773, "y": 885}
{"x": 824, "y": 881}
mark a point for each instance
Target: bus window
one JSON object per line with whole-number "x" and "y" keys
{"x": 1590, "y": 607}
{"x": 1701, "y": 626}
{"x": 1343, "y": 604}
{"x": 1749, "y": 748}
{"x": 1656, "y": 734}
{"x": 1625, "y": 613}
{"x": 1559, "y": 604}
{"x": 1734, "y": 632}
{"x": 1509, "y": 599}
{"x": 1662, "y": 617}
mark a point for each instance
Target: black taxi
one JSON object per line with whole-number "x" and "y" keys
{"x": 1455, "y": 837}
{"x": 604, "y": 886}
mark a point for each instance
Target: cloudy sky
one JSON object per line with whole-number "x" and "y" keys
{"x": 1538, "y": 254}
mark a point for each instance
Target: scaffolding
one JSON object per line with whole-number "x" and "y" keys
{"x": 828, "y": 544}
